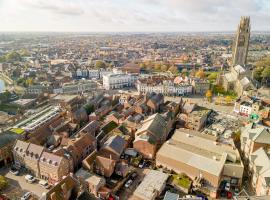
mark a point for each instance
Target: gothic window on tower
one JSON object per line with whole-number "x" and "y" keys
{"x": 241, "y": 40}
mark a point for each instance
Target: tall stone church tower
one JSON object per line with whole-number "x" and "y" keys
{"x": 242, "y": 42}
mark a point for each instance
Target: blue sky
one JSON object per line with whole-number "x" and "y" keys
{"x": 131, "y": 15}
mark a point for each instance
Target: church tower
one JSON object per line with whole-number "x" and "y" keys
{"x": 242, "y": 42}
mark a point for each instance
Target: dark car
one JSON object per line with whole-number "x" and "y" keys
{"x": 133, "y": 176}
{"x": 14, "y": 171}
{"x": 202, "y": 197}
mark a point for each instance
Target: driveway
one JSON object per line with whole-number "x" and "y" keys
{"x": 18, "y": 185}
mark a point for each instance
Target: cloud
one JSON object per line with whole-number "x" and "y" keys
{"x": 133, "y": 15}
{"x": 62, "y": 7}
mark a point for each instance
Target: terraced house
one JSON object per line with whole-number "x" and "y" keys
{"x": 40, "y": 163}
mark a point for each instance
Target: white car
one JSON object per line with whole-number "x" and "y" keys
{"x": 44, "y": 184}
{"x": 227, "y": 186}
{"x": 128, "y": 183}
{"x": 26, "y": 196}
{"x": 29, "y": 178}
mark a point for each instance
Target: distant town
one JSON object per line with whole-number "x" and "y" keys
{"x": 135, "y": 116}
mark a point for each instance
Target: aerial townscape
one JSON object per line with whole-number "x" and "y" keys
{"x": 135, "y": 116}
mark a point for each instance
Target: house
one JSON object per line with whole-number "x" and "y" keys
{"x": 154, "y": 102}
{"x": 80, "y": 147}
{"x": 53, "y": 167}
{"x": 259, "y": 167}
{"x": 40, "y": 163}
{"x": 246, "y": 106}
{"x": 66, "y": 189}
{"x": 104, "y": 166}
{"x": 202, "y": 159}
{"x": 153, "y": 132}
{"x": 113, "y": 147}
{"x": 7, "y": 141}
{"x": 151, "y": 186}
{"x": 116, "y": 117}
{"x": 91, "y": 128}
{"x": 200, "y": 86}
{"x": 92, "y": 181}
{"x": 253, "y": 137}
{"x": 196, "y": 119}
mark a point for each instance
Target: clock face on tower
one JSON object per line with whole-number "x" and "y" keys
{"x": 241, "y": 40}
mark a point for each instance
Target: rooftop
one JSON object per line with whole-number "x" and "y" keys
{"x": 150, "y": 184}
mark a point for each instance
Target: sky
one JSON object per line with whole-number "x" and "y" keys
{"x": 132, "y": 15}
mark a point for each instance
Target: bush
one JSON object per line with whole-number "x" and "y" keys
{"x": 3, "y": 183}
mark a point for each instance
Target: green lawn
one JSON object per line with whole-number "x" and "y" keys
{"x": 8, "y": 107}
{"x": 182, "y": 180}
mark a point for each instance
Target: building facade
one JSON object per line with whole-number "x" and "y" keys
{"x": 119, "y": 80}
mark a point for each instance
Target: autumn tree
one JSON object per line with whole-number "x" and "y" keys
{"x": 173, "y": 69}
{"x": 157, "y": 66}
{"x": 164, "y": 68}
{"x": 228, "y": 99}
{"x": 3, "y": 182}
{"x": 200, "y": 74}
{"x": 100, "y": 64}
{"x": 209, "y": 95}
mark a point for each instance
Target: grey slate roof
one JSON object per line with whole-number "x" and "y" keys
{"x": 116, "y": 143}
{"x": 7, "y": 138}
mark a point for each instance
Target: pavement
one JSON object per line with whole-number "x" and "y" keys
{"x": 18, "y": 186}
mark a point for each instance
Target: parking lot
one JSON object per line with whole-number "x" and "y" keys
{"x": 18, "y": 186}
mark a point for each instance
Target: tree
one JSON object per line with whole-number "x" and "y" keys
{"x": 257, "y": 74}
{"x": 143, "y": 65}
{"x": 173, "y": 69}
{"x": 212, "y": 76}
{"x": 209, "y": 95}
{"x": 13, "y": 56}
{"x": 100, "y": 64}
{"x": 29, "y": 81}
{"x": 228, "y": 99}
{"x": 164, "y": 68}
{"x": 3, "y": 182}
{"x": 266, "y": 74}
{"x": 200, "y": 74}
{"x": 89, "y": 108}
{"x": 157, "y": 66}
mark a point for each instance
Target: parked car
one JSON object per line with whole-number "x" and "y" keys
{"x": 141, "y": 165}
{"x": 14, "y": 171}
{"x": 202, "y": 197}
{"x": 236, "y": 192}
{"x": 26, "y": 196}
{"x": 228, "y": 186}
{"x": 29, "y": 178}
{"x": 133, "y": 176}
{"x": 44, "y": 184}
{"x": 128, "y": 183}
{"x": 189, "y": 196}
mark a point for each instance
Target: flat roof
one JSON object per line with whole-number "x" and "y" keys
{"x": 152, "y": 182}
{"x": 192, "y": 157}
{"x": 198, "y": 151}
{"x": 64, "y": 97}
